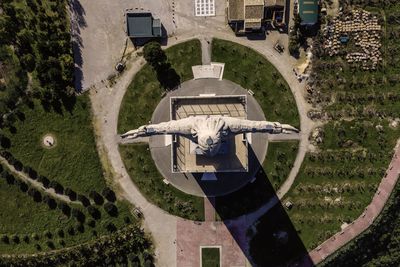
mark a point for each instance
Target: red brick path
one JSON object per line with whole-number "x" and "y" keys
{"x": 191, "y": 236}
{"x": 209, "y": 210}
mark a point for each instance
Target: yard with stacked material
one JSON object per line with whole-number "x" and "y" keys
{"x": 359, "y": 112}
{"x": 380, "y": 244}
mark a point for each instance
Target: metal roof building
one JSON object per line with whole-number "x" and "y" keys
{"x": 142, "y": 25}
{"x": 308, "y": 11}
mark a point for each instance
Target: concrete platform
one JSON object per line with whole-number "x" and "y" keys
{"x": 226, "y": 182}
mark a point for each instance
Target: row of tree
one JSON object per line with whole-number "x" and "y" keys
{"x": 126, "y": 246}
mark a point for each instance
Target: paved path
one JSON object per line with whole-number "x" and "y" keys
{"x": 36, "y": 184}
{"x": 209, "y": 210}
{"x": 106, "y": 103}
{"x": 206, "y": 50}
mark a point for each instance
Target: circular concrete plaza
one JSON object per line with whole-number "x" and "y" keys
{"x": 196, "y": 183}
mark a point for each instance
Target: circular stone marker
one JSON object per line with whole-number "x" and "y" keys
{"x": 49, "y": 141}
{"x": 235, "y": 172}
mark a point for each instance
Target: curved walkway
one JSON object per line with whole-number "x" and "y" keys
{"x": 36, "y": 184}
{"x": 106, "y": 103}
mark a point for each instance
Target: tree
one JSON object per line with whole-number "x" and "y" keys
{"x": 70, "y": 193}
{"x": 94, "y": 212}
{"x": 64, "y": 208}
{"x": 10, "y": 178}
{"x": 48, "y": 234}
{"x": 44, "y": 181}
{"x": 60, "y": 232}
{"x": 108, "y": 194}
{"x": 84, "y": 200}
{"x": 153, "y": 54}
{"x": 78, "y": 215}
{"x": 111, "y": 209}
{"x": 80, "y": 228}
{"x": 57, "y": 187}
{"x": 111, "y": 227}
{"x": 15, "y": 239}
{"x": 5, "y": 239}
{"x": 51, "y": 203}
{"x": 97, "y": 198}
{"x": 35, "y": 194}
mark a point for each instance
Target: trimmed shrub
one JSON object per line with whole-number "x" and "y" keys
{"x": 15, "y": 239}
{"x": 10, "y": 178}
{"x": 35, "y": 194}
{"x": 80, "y": 227}
{"x": 35, "y": 236}
{"x": 111, "y": 227}
{"x": 78, "y": 215}
{"x": 109, "y": 194}
{"x": 84, "y": 200}
{"x": 111, "y": 209}
{"x": 127, "y": 220}
{"x": 26, "y": 239}
{"x": 61, "y": 242}
{"x": 92, "y": 223}
{"x": 94, "y": 212}
{"x": 97, "y": 198}
{"x": 44, "y": 180}
{"x": 71, "y": 230}
{"x": 30, "y": 172}
{"x": 5, "y": 239}
{"x": 51, "y": 202}
{"x": 48, "y": 234}
{"x": 60, "y": 232}
{"x": 22, "y": 186}
{"x": 5, "y": 142}
{"x": 65, "y": 208}
{"x": 50, "y": 244}
{"x": 70, "y": 193}
{"x": 57, "y": 187}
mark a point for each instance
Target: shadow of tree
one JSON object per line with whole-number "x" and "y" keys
{"x": 77, "y": 22}
{"x": 167, "y": 76}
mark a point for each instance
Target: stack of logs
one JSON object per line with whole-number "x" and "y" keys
{"x": 363, "y": 28}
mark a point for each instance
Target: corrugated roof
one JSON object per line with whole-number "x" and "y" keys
{"x": 254, "y": 12}
{"x": 308, "y": 10}
{"x": 270, "y": 3}
{"x": 236, "y": 10}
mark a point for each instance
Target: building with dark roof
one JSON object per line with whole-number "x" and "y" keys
{"x": 246, "y": 15}
{"x": 142, "y": 25}
{"x": 308, "y": 11}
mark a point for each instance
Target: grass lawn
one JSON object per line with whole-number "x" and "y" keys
{"x": 144, "y": 173}
{"x": 210, "y": 257}
{"x": 74, "y": 161}
{"x": 22, "y": 216}
{"x": 279, "y": 161}
{"x": 145, "y": 92}
{"x": 274, "y": 171}
{"x": 140, "y": 100}
{"x": 251, "y": 70}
